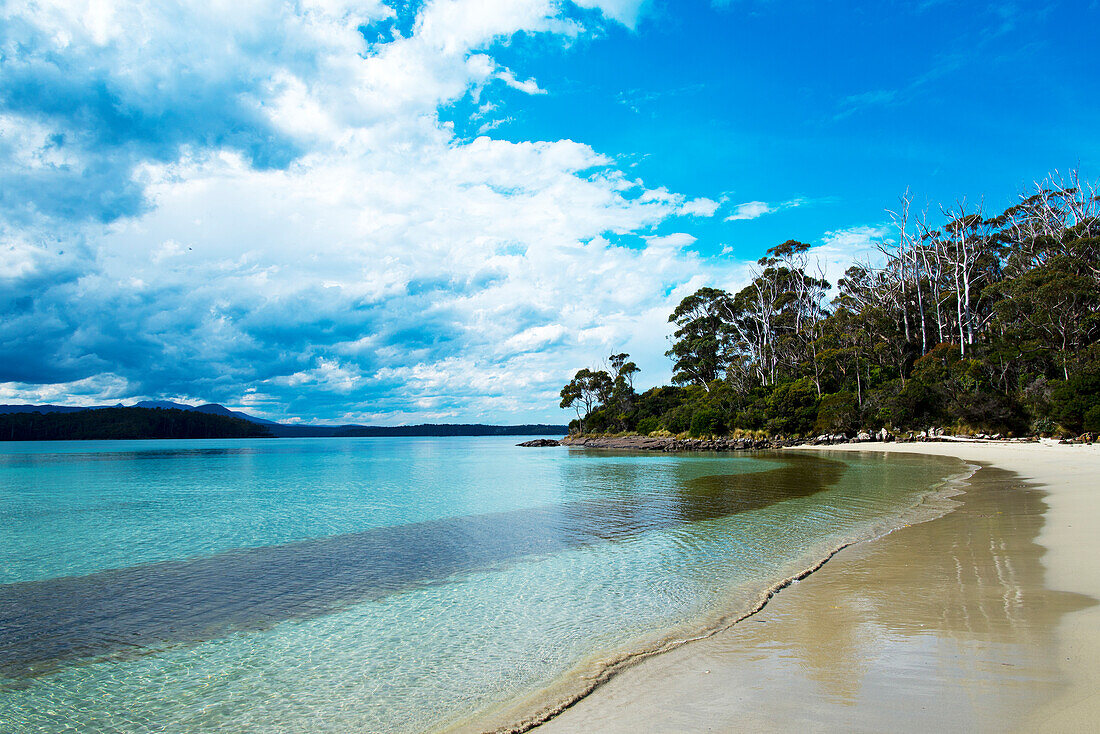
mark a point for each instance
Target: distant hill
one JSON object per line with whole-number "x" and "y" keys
{"x": 124, "y": 423}
{"x": 453, "y": 429}
{"x": 212, "y": 408}
{"x": 50, "y": 408}
{"x": 284, "y": 430}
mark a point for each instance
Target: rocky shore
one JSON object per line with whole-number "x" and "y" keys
{"x": 657, "y": 443}
{"x": 674, "y": 444}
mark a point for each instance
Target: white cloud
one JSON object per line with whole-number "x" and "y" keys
{"x": 389, "y": 264}
{"x": 842, "y": 248}
{"x": 329, "y": 375}
{"x": 536, "y": 337}
{"x": 701, "y": 207}
{"x": 674, "y": 241}
{"x": 527, "y": 87}
{"x": 755, "y": 209}
{"x": 88, "y": 391}
{"x": 626, "y": 12}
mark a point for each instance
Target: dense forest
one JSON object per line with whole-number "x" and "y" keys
{"x": 118, "y": 423}
{"x": 972, "y": 323}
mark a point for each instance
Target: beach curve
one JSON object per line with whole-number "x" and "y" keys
{"x": 643, "y": 698}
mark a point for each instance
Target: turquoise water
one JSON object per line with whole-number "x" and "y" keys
{"x": 383, "y": 584}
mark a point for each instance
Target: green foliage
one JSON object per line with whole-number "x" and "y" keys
{"x": 792, "y": 408}
{"x": 985, "y": 323}
{"x": 837, "y": 413}
{"x": 698, "y": 351}
{"x": 707, "y": 422}
{"x": 603, "y": 401}
{"x": 678, "y": 419}
{"x": 1076, "y": 402}
{"x": 1092, "y": 419}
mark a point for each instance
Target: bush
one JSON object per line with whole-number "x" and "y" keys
{"x": 598, "y": 421}
{"x": 648, "y": 425}
{"x": 707, "y": 422}
{"x": 1076, "y": 401}
{"x": 792, "y": 408}
{"x": 1092, "y": 419}
{"x": 679, "y": 419}
{"x": 837, "y": 413}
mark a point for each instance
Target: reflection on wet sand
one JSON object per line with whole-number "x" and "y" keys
{"x": 944, "y": 625}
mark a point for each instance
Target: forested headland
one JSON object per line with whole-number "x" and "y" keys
{"x": 125, "y": 423}
{"x": 968, "y": 321}
{"x": 164, "y": 419}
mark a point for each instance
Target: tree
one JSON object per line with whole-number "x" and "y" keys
{"x": 699, "y": 349}
{"x": 597, "y": 394}
{"x": 622, "y": 388}
{"x": 982, "y": 322}
{"x": 585, "y": 391}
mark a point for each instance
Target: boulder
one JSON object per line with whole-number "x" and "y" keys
{"x": 540, "y": 442}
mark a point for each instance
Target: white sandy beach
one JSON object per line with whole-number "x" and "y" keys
{"x": 983, "y": 620}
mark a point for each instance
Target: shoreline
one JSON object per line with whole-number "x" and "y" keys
{"x": 677, "y": 691}
{"x": 590, "y": 676}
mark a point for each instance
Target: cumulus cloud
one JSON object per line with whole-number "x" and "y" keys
{"x": 256, "y": 204}
{"x": 701, "y": 207}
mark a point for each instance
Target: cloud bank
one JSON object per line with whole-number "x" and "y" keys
{"x": 257, "y": 203}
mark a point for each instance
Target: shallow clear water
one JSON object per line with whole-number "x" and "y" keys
{"x": 382, "y": 584}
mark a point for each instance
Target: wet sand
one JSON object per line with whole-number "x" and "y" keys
{"x": 983, "y": 620}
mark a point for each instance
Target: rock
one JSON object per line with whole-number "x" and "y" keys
{"x": 863, "y": 437}
{"x": 540, "y": 442}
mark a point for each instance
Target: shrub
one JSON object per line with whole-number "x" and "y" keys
{"x": 1092, "y": 419}
{"x": 679, "y": 419}
{"x": 837, "y": 413}
{"x": 648, "y": 425}
{"x": 792, "y": 408}
{"x": 707, "y": 422}
{"x": 1076, "y": 401}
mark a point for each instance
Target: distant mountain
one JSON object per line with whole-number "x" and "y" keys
{"x": 285, "y": 430}
{"x": 163, "y": 404}
{"x": 211, "y": 408}
{"x": 215, "y": 409}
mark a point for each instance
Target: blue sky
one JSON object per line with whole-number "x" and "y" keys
{"x": 401, "y": 212}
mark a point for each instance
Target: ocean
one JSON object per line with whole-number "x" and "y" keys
{"x": 391, "y": 584}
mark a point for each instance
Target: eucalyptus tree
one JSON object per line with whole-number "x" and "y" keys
{"x": 701, "y": 341}
{"x": 587, "y": 390}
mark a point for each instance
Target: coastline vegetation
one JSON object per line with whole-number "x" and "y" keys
{"x": 977, "y": 323}
{"x": 125, "y": 423}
